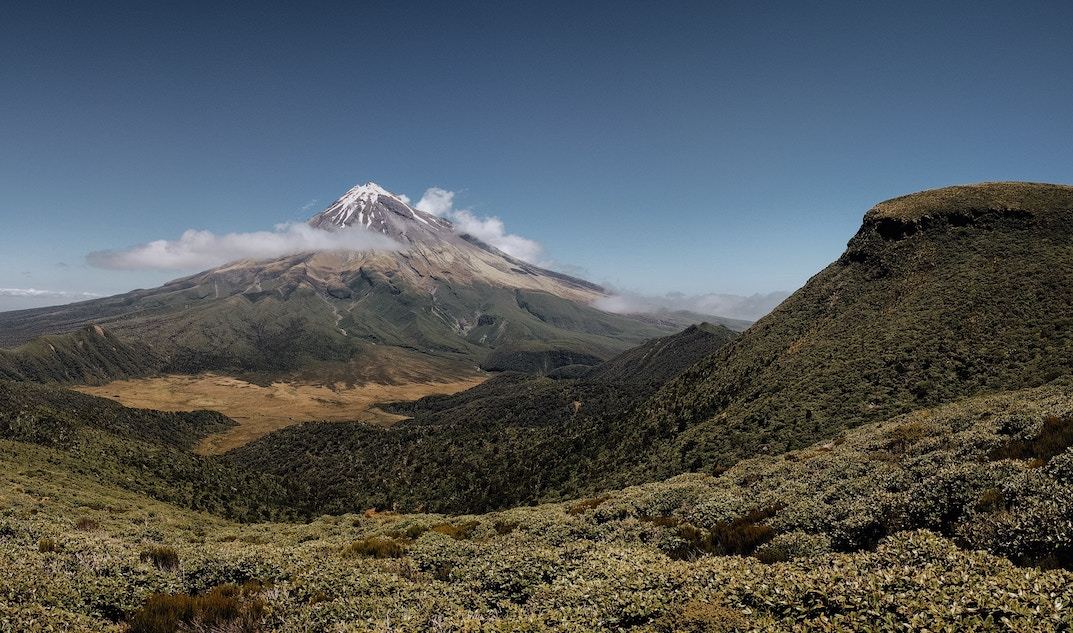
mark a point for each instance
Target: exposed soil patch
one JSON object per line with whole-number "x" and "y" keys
{"x": 260, "y": 410}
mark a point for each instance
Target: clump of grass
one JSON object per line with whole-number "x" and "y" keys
{"x": 991, "y": 500}
{"x": 1054, "y": 438}
{"x": 228, "y": 608}
{"x": 740, "y": 537}
{"x": 583, "y": 506}
{"x": 376, "y": 547}
{"x": 505, "y": 527}
{"x": 414, "y": 531}
{"x": 458, "y": 532}
{"x": 162, "y": 557}
{"x": 86, "y": 524}
{"x": 903, "y": 436}
{"x": 662, "y": 521}
{"x": 702, "y": 616}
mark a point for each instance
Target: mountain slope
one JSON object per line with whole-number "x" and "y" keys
{"x": 440, "y": 302}
{"x": 661, "y": 359}
{"x": 940, "y": 295}
{"x": 89, "y": 355}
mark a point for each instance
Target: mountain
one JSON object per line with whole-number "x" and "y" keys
{"x": 940, "y": 296}
{"x": 438, "y": 304}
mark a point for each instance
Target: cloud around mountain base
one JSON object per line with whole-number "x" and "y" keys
{"x": 749, "y": 308}
{"x": 198, "y": 250}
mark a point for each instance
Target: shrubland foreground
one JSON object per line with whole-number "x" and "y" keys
{"x": 921, "y": 521}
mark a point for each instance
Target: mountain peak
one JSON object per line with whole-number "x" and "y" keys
{"x": 370, "y": 191}
{"x": 377, "y": 209}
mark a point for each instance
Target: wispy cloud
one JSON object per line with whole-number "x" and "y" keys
{"x": 437, "y": 201}
{"x": 750, "y": 307}
{"x": 488, "y": 229}
{"x": 197, "y": 250}
{"x": 46, "y": 294}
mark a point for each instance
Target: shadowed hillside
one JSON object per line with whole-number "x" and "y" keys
{"x": 89, "y": 355}
{"x": 144, "y": 451}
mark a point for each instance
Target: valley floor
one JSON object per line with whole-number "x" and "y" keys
{"x": 260, "y": 410}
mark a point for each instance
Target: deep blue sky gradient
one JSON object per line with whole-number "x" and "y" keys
{"x": 691, "y": 147}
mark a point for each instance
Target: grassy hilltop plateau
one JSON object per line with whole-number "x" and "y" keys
{"x": 890, "y": 449}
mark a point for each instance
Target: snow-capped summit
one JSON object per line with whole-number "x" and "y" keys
{"x": 367, "y": 193}
{"x": 377, "y": 209}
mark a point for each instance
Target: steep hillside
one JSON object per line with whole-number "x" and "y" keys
{"x": 441, "y": 303}
{"x": 940, "y": 295}
{"x": 88, "y": 355}
{"x": 515, "y": 439}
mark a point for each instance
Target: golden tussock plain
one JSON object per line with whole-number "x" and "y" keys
{"x": 260, "y": 410}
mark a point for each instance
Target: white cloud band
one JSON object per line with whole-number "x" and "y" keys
{"x": 198, "y": 250}
{"x": 749, "y": 308}
{"x": 45, "y": 294}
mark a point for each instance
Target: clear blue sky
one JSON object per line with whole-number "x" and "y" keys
{"x": 727, "y": 147}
